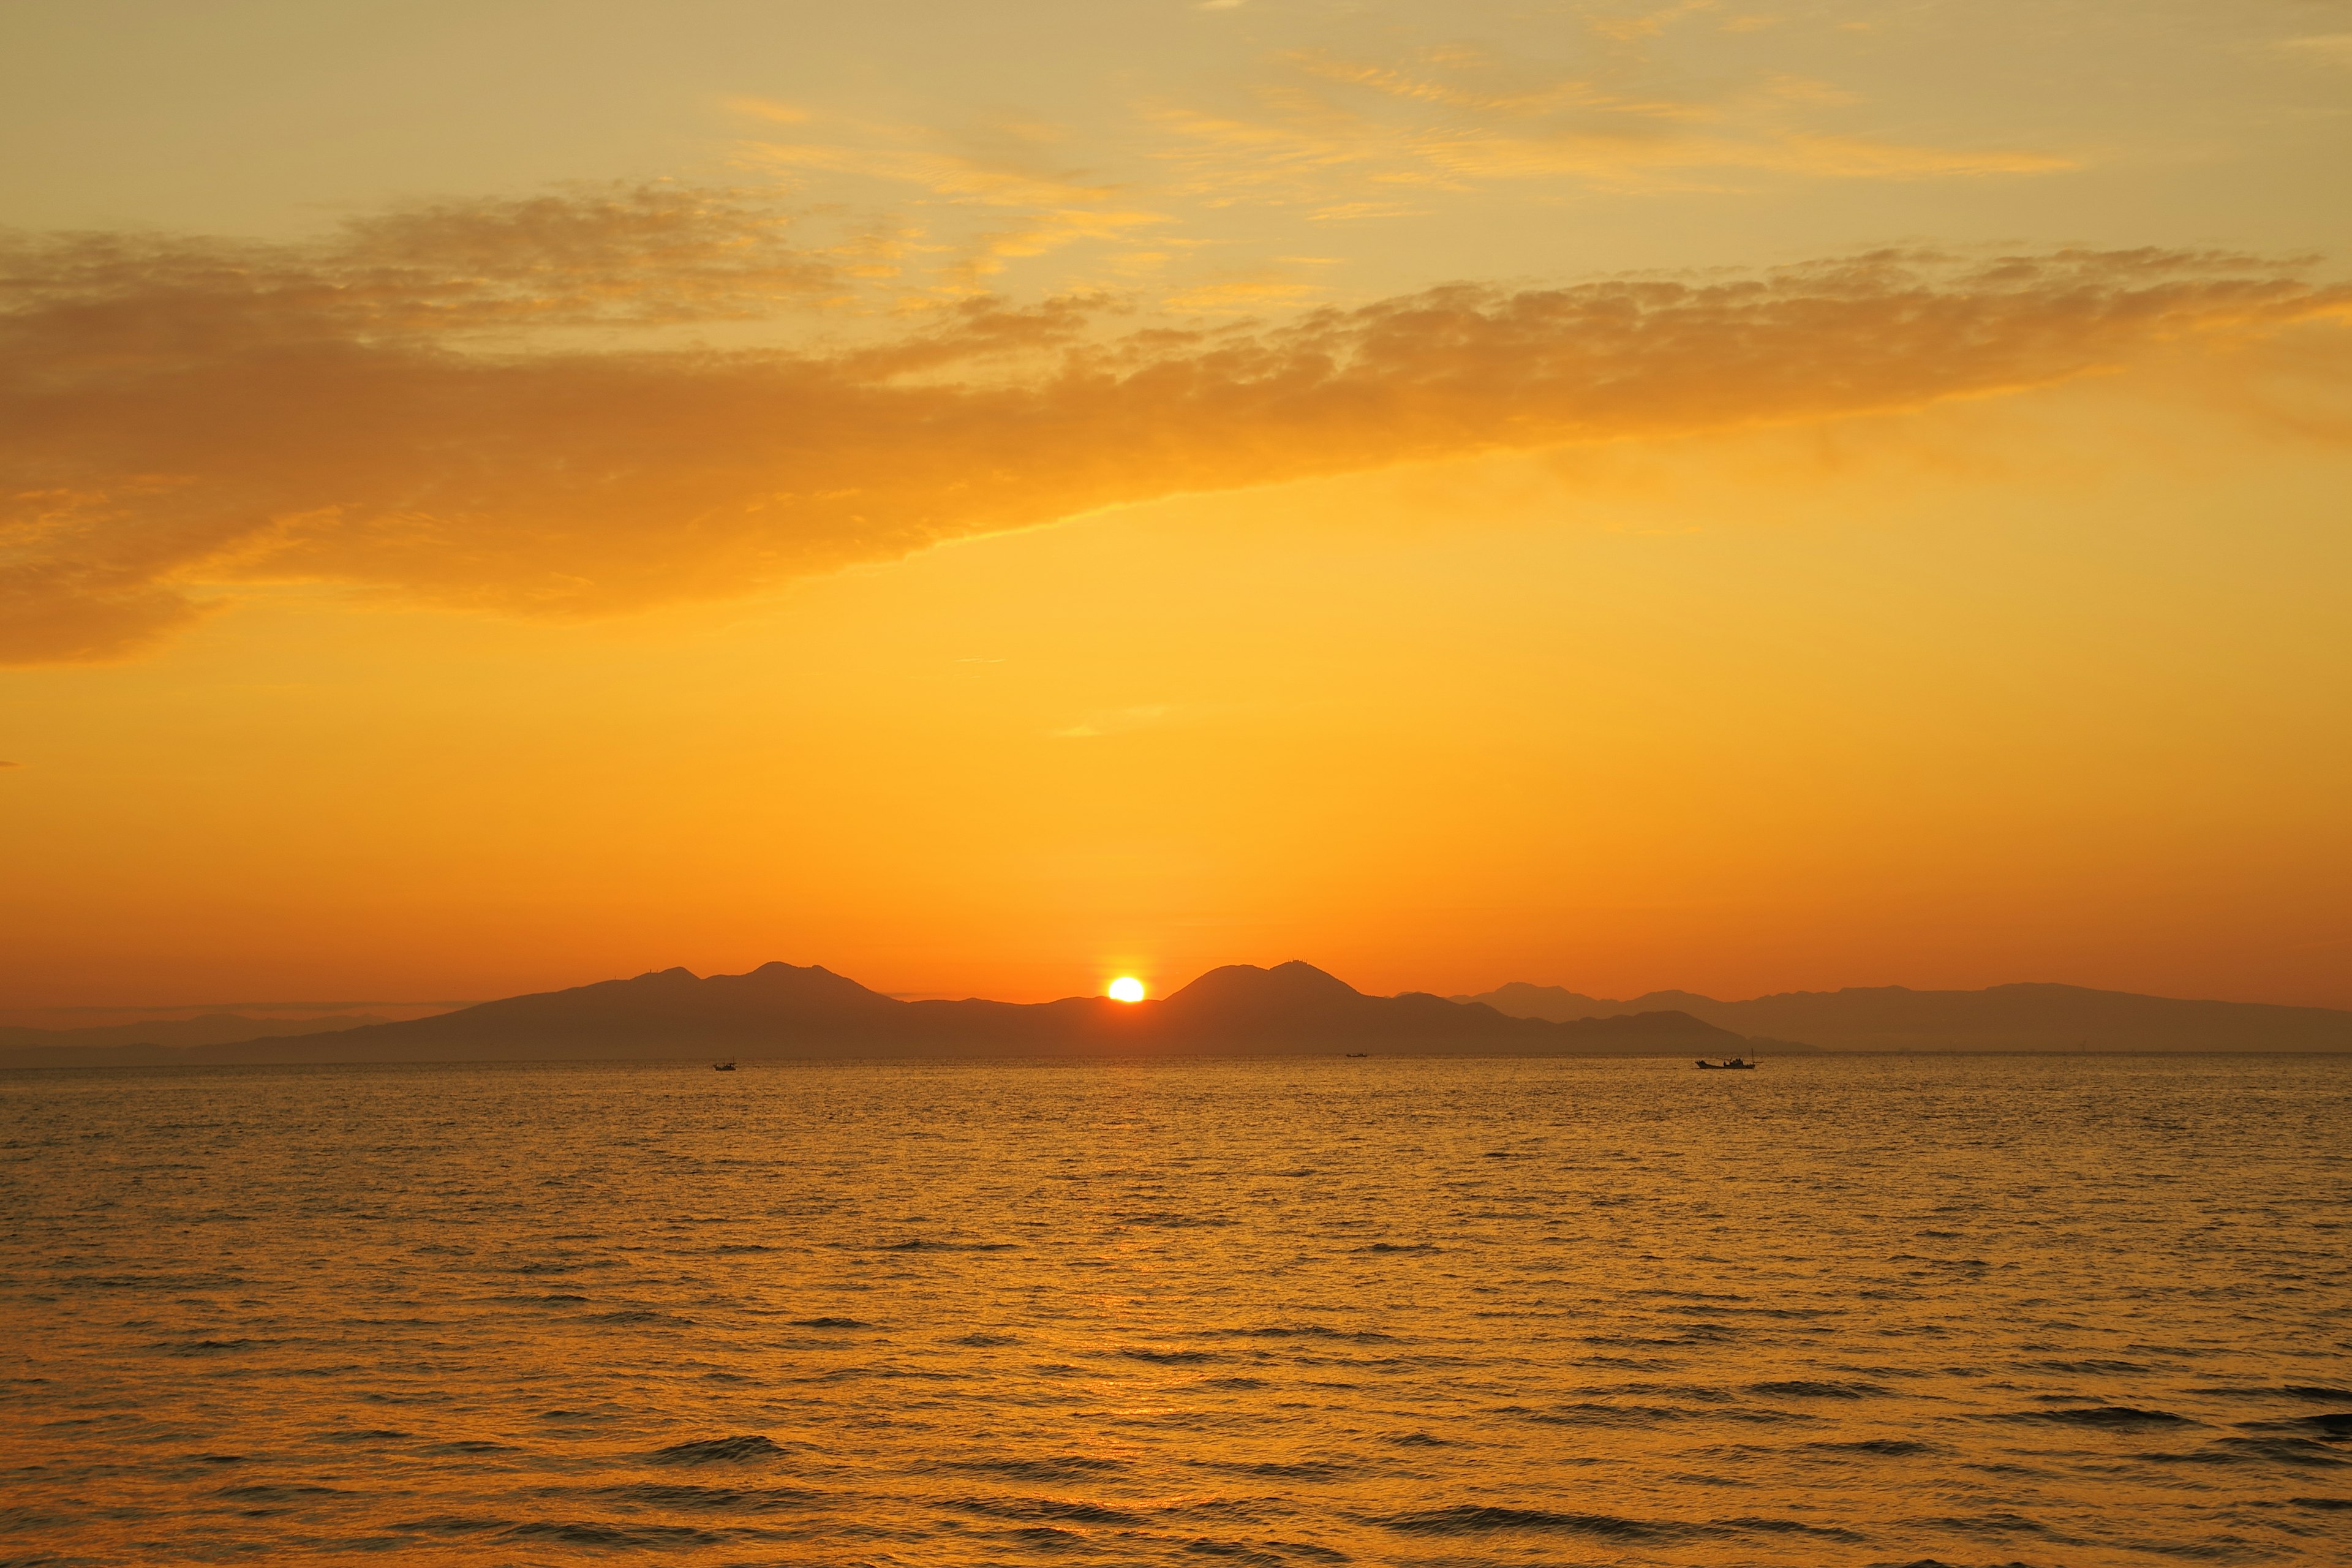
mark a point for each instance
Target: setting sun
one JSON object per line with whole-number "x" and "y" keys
{"x": 1126, "y": 988}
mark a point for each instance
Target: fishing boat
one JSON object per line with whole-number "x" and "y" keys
{"x": 722, "y": 1067}
{"x": 1734, "y": 1064}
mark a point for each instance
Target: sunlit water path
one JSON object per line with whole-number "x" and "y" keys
{"x": 1845, "y": 1312}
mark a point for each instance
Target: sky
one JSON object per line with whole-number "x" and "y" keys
{"x": 988, "y": 499}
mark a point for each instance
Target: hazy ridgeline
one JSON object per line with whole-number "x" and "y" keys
{"x": 783, "y": 1010}
{"x": 1838, "y": 1313}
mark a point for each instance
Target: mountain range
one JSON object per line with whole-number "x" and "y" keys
{"x": 782, "y": 1010}
{"x": 2029, "y": 1017}
{"x": 204, "y": 1029}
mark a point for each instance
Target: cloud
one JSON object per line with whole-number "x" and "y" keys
{"x": 1055, "y": 207}
{"x": 180, "y": 417}
{"x": 1112, "y": 721}
{"x": 626, "y": 256}
{"x": 2331, "y": 48}
{"x": 1347, "y": 136}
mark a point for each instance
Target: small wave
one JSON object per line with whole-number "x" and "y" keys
{"x": 1236, "y": 1552}
{"x": 726, "y": 1247}
{"x": 917, "y": 1244}
{"x": 718, "y": 1451}
{"x": 449, "y": 1524}
{"x": 1801, "y": 1389}
{"x": 1048, "y": 1537}
{"x": 2294, "y": 1450}
{"x": 852, "y": 1373}
{"x": 2002, "y": 1523}
{"x": 632, "y": 1315}
{"x": 366, "y": 1435}
{"x": 2314, "y": 1394}
{"x": 2302, "y": 1451}
{"x": 1652, "y": 1390}
{"x": 1300, "y": 1332}
{"x": 1595, "y": 1414}
{"x": 1232, "y": 1382}
{"x": 215, "y": 1347}
{"x": 1278, "y": 1470}
{"x": 615, "y": 1535}
{"x": 184, "y": 1283}
{"x": 1472, "y": 1518}
{"x": 274, "y": 1492}
{"x": 1058, "y": 1467}
{"x": 2110, "y": 1417}
{"x": 1077, "y": 1510}
{"x": 558, "y": 1300}
{"x": 712, "y": 1500}
{"x": 1760, "y": 1526}
{"x": 830, "y": 1323}
{"x": 2085, "y": 1366}
{"x": 473, "y": 1446}
{"x": 1417, "y": 1440}
{"x": 1185, "y": 1358}
{"x": 986, "y": 1342}
{"x": 1399, "y": 1247}
{"x": 2321, "y": 1503}
{"x": 1892, "y": 1447}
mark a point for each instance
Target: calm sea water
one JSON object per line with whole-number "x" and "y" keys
{"x": 1967, "y": 1311}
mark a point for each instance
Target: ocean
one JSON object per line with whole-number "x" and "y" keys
{"x": 1840, "y": 1310}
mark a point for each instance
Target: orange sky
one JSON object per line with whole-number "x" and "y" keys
{"x": 505, "y": 496}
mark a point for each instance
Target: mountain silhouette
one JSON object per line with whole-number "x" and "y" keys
{"x": 2023, "y": 1017}
{"x": 205, "y": 1029}
{"x": 787, "y": 1011}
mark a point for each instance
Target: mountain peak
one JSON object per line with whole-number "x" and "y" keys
{"x": 1292, "y": 985}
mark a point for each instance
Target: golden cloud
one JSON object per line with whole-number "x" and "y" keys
{"x": 1332, "y": 129}
{"x": 175, "y": 417}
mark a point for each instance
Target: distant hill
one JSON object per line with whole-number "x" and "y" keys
{"x": 782, "y": 1010}
{"x": 209, "y": 1029}
{"x": 1999, "y": 1018}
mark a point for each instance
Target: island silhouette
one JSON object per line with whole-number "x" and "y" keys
{"x": 2034, "y": 1017}
{"x": 789, "y": 1011}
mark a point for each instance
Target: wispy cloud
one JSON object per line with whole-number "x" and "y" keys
{"x": 2330, "y": 48}
{"x": 1048, "y": 206}
{"x": 1113, "y": 722}
{"x": 1349, "y": 136}
{"x": 177, "y": 416}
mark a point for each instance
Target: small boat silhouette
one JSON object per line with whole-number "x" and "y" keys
{"x": 1723, "y": 1067}
{"x": 722, "y": 1067}
{"x": 1359, "y": 1053}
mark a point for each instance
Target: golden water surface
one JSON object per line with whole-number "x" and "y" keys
{"x": 1319, "y": 1311}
